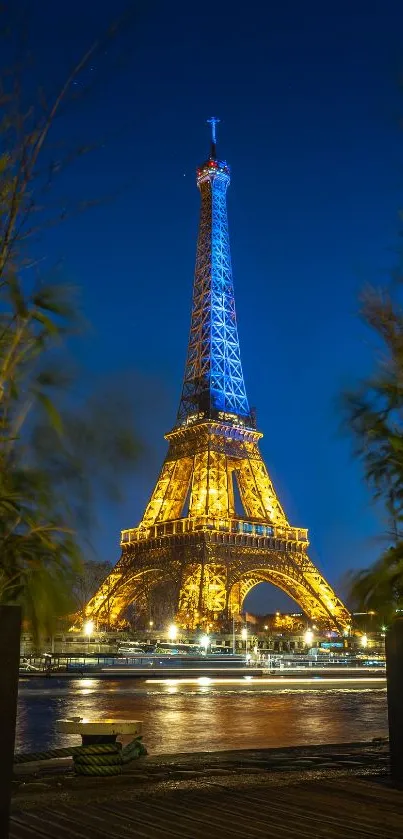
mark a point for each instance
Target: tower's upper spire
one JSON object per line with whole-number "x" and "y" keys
{"x": 213, "y": 122}
{"x": 213, "y": 386}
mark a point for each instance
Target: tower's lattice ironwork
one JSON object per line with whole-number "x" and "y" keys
{"x": 192, "y": 538}
{"x": 213, "y": 378}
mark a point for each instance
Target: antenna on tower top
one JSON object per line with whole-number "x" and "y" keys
{"x": 213, "y": 122}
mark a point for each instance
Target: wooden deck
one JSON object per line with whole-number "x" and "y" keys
{"x": 284, "y": 808}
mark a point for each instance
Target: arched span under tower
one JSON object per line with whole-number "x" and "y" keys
{"x": 191, "y": 537}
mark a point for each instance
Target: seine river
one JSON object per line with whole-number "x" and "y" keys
{"x": 204, "y": 715}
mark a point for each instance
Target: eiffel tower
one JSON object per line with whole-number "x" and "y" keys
{"x": 191, "y": 539}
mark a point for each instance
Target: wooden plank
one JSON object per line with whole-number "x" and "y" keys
{"x": 280, "y": 812}
{"x": 39, "y": 821}
{"x": 189, "y": 818}
{"x": 134, "y": 817}
{"x": 345, "y": 808}
{"x": 313, "y": 814}
{"x": 340, "y": 810}
{"x": 256, "y": 823}
{"x": 18, "y": 830}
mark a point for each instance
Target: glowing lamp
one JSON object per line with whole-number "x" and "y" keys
{"x": 244, "y": 633}
{"x": 204, "y": 641}
{"x": 364, "y": 641}
{"x": 172, "y": 632}
{"x": 308, "y": 637}
{"x": 88, "y": 628}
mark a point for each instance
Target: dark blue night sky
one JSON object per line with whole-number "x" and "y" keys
{"x": 308, "y": 95}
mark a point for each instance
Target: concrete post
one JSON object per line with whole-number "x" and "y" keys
{"x": 394, "y": 672}
{"x": 10, "y": 629}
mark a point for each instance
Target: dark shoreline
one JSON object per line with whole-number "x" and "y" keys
{"x": 47, "y": 780}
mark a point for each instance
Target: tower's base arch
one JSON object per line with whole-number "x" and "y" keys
{"x": 304, "y": 596}
{"x": 122, "y": 590}
{"x": 209, "y": 574}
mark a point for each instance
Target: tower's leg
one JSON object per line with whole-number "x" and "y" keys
{"x": 169, "y": 496}
{"x": 235, "y": 601}
{"x": 256, "y": 489}
{"x": 203, "y": 593}
{"x": 211, "y": 490}
{"x": 189, "y": 610}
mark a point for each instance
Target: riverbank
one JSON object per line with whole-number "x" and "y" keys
{"x": 323, "y": 791}
{"x": 55, "y": 773}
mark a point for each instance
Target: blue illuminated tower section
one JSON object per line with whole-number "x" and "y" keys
{"x": 213, "y": 382}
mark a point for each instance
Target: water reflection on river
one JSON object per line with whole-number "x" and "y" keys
{"x": 203, "y": 717}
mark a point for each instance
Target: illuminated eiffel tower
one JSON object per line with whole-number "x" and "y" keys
{"x": 191, "y": 539}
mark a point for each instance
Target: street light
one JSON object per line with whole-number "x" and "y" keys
{"x": 244, "y": 636}
{"x": 88, "y": 627}
{"x": 364, "y": 641}
{"x": 88, "y": 630}
{"x": 308, "y": 637}
{"x": 172, "y": 632}
{"x": 151, "y": 624}
{"x": 204, "y": 642}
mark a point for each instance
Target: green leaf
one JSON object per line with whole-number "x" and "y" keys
{"x": 17, "y": 297}
{"x": 51, "y": 411}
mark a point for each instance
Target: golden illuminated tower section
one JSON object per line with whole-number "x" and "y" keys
{"x": 214, "y": 527}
